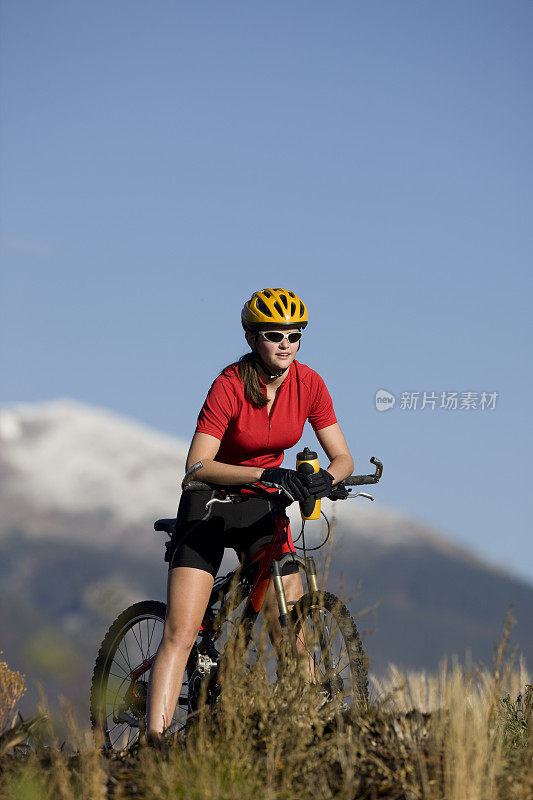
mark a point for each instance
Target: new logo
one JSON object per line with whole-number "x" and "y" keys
{"x": 384, "y": 400}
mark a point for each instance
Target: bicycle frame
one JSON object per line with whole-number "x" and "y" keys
{"x": 268, "y": 563}
{"x": 271, "y": 559}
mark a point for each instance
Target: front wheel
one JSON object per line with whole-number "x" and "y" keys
{"x": 120, "y": 678}
{"x": 325, "y": 637}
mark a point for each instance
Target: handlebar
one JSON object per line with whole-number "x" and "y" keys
{"x": 362, "y": 480}
{"x": 339, "y": 490}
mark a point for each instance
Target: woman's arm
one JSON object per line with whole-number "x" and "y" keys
{"x": 334, "y": 445}
{"x": 204, "y": 448}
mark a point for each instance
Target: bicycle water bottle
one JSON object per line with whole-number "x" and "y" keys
{"x": 307, "y": 462}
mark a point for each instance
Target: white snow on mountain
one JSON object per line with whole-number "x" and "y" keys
{"x": 65, "y": 455}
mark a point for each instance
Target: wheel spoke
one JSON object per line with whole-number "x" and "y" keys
{"x": 147, "y": 638}
{"x": 126, "y": 661}
{"x": 110, "y": 731}
{"x": 342, "y": 669}
{"x": 120, "y": 677}
{"x": 140, "y": 626}
{"x": 135, "y": 637}
{"x": 113, "y": 743}
{"x": 152, "y": 633}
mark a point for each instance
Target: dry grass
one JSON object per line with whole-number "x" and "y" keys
{"x": 461, "y": 734}
{"x": 12, "y": 687}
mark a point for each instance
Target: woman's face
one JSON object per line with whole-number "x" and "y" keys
{"x": 278, "y": 356}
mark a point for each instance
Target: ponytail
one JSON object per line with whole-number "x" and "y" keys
{"x": 248, "y": 375}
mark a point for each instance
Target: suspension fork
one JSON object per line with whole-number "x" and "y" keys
{"x": 276, "y": 571}
{"x": 280, "y": 594}
{"x": 310, "y": 573}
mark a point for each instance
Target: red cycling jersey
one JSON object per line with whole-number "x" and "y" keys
{"x": 248, "y": 435}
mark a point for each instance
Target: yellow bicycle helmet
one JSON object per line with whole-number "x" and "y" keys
{"x": 273, "y": 307}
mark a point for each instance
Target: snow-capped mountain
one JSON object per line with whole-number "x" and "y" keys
{"x": 64, "y": 465}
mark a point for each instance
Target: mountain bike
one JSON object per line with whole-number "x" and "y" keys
{"x": 317, "y": 628}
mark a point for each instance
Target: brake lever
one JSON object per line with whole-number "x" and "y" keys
{"x": 362, "y": 494}
{"x": 340, "y": 492}
{"x": 218, "y": 500}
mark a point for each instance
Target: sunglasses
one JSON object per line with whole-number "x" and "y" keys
{"x": 276, "y": 337}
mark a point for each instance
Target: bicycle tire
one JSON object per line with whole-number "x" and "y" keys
{"x": 327, "y": 623}
{"x": 118, "y": 698}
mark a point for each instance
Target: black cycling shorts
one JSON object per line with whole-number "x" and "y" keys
{"x": 245, "y": 526}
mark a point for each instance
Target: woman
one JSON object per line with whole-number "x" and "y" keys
{"x": 255, "y": 409}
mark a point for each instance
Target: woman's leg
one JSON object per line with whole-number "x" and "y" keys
{"x": 188, "y": 593}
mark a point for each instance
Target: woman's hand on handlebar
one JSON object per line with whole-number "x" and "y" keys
{"x": 319, "y": 484}
{"x": 288, "y": 480}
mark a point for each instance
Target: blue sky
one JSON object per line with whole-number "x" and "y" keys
{"x": 159, "y": 162}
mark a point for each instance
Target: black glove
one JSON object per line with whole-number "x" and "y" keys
{"x": 288, "y": 480}
{"x": 339, "y": 492}
{"x": 319, "y": 484}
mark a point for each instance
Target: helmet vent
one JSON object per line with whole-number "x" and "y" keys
{"x": 284, "y": 300}
{"x": 291, "y": 294}
{"x": 263, "y": 308}
{"x": 267, "y": 293}
{"x": 293, "y": 309}
{"x": 278, "y": 308}
{"x": 302, "y": 309}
